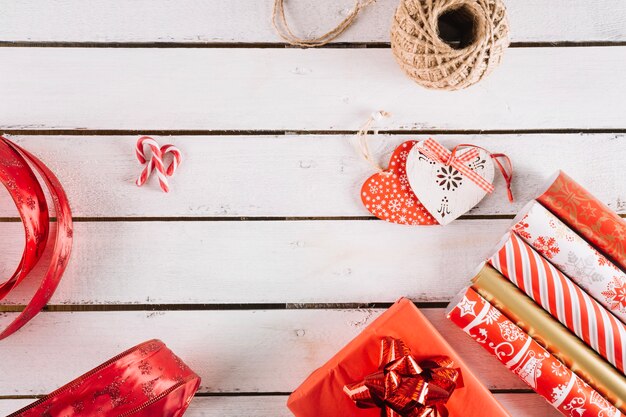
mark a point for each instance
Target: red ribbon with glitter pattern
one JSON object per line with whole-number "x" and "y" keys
{"x": 19, "y": 178}
{"x": 145, "y": 381}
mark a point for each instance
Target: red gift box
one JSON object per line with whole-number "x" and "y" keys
{"x": 322, "y": 393}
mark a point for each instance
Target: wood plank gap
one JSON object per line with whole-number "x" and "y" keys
{"x": 468, "y": 217}
{"x": 289, "y": 132}
{"x": 65, "y": 308}
{"x": 247, "y": 219}
{"x": 250, "y": 394}
{"x": 276, "y": 45}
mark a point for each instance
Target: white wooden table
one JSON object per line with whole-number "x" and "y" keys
{"x": 261, "y": 262}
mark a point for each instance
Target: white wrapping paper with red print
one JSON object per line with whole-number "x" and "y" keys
{"x": 541, "y": 371}
{"x": 562, "y": 298}
{"x": 573, "y": 256}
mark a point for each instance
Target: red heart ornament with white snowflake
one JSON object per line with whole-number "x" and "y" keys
{"x": 388, "y": 195}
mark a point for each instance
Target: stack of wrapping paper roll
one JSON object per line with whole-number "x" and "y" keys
{"x": 550, "y": 303}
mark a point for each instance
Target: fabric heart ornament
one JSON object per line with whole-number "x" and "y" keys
{"x": 449, "y": 183}
{"x": 388, "y": 195}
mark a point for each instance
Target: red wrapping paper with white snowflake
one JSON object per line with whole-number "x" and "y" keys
{"x": 540, "y": 370}
{"x": 427, "y": 184}
{"x": 572, "y": 255}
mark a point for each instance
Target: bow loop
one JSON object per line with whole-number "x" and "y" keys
{"x": 404, "y": 387}
{"x": 436, "y": 152}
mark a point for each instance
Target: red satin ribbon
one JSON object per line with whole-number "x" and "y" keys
{"x": 403, "y": 387}
{"x": 145, "y": 381}
{"x": 19, "y": 178}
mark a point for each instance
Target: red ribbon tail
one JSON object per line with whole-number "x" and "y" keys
{"x": 507, "y": 174}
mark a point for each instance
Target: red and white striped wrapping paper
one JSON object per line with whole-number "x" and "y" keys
{"x": 573, "y": 256}
{"x": 541, "y": 371}
{"x": 563, "y": 299}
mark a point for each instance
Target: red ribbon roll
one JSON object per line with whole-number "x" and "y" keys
{"x": 19, "y": 178}
{"x": 404, "y": 387}
{"x": 145, "y": 381}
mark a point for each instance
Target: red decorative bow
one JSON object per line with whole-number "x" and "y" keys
{"x": 402, "y": 387}
{"x": 436, "y": 152}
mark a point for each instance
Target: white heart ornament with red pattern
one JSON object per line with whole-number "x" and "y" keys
{"x": 443, "y": 190}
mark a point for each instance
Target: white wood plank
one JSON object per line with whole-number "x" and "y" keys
{"x": 309, "y": 176}
{"x": 519, "y": 405}
{"x": 261, "y": 262}
{"x": 233, "y": 351}
{"x": 197, "y": 21}
{"x": 295, "y": 89}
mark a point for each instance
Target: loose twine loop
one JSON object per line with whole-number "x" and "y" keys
{"x": 362, "y": 146}
{"x": 417, "y": 44}
{"x": 279, "y": 21}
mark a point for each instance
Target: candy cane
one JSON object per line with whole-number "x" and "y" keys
{"x": 156, "y": 161}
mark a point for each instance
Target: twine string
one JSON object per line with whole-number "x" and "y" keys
{"x": 279, "y": 21}
{"x": 362, "y": 144}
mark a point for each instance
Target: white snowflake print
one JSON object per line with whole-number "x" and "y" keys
{"x": 394, "y": 205}
{"x": 582, "y": 268}
{"x": 388, "y": 195}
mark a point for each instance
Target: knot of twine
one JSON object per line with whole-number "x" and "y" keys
{"x": 155, "y": 163}
{"x": 279, "y": 21}
{"x": 417, "y": 44}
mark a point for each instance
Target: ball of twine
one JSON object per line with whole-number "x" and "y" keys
{"x": 449, "y": 44}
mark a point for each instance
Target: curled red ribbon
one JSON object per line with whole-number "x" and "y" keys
{"x": 145, "y": 381}
{"x": 19, "y": 178}
{"x": 403, "y": 387}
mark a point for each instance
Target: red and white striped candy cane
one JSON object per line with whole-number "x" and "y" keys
{"x": 156, "y": 161}
{"x": 177, "y": 158}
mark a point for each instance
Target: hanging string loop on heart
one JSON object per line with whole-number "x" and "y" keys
{"x": 362, "y": 145}
{"x": 155, "y": 163}
{"x": 436, "y": 152}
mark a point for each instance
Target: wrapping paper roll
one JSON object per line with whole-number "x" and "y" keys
{"x": 573, "y": 256}
{"x": 563, "y": 299}
{"x": 551, "y": 335}
{"x": 527, "y": 359}
{"x": 587, "y": 216}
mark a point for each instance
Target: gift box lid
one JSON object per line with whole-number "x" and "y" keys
{"x": 322, "y": 395}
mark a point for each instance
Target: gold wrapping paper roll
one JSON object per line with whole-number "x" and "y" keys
{"x": 553, "y": 336}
